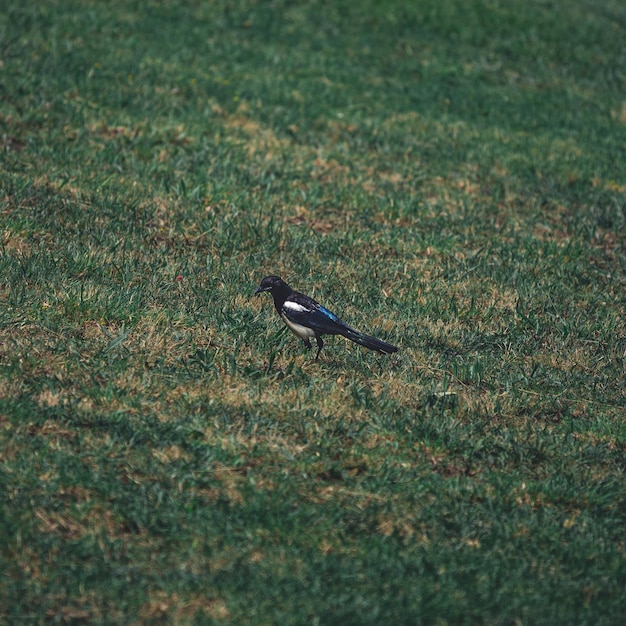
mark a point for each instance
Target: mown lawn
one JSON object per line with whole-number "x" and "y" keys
{"x": 449, "y": 176}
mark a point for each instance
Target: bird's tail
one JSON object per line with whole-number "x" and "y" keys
{"x": 369, "y": 342}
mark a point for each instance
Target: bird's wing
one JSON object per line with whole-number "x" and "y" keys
{"x": 306, "y": 312}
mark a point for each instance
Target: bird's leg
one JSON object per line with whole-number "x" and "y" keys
{"x": 307, "y": 343}
{"x": 320, "y": 345}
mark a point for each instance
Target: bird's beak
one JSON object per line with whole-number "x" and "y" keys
{"x": 258, "y": 291}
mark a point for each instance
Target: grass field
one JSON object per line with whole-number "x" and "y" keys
{"x": 449, "y": 176}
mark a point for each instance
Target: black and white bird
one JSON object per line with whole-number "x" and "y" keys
{"x": 308, "y": 319}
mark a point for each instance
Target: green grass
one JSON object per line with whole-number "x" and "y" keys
{"x": 449, "y": 176}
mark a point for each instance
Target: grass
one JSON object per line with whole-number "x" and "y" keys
{"x": 449, "y": 176}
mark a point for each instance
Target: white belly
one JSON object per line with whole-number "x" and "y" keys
{"x": 300, "y": 331}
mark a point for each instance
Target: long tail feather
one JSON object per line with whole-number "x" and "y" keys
{"x": 370, "y": 342}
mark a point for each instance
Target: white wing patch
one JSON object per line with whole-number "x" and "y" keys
{"x": 294, "y": 306}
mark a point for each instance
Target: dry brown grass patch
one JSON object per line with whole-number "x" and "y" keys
{"x": 162, "y": 605}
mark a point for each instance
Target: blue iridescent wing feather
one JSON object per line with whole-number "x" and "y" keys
{"x": 313, "y": 315}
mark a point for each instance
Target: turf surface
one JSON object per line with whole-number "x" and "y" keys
{"x": 448, "y": 176}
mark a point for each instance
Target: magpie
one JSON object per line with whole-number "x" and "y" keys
{"x": 308, "y": 319}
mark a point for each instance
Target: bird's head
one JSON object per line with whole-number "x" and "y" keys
{"x": 268, "y": 283}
